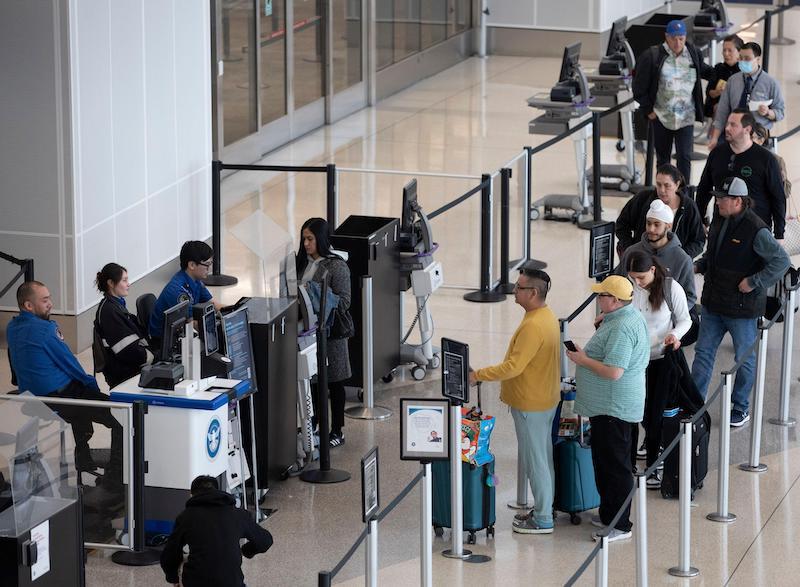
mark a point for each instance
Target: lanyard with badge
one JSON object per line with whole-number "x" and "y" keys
{"x": 748, "y": 91}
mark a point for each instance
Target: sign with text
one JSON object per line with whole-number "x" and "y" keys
{"x": 423, "y": 429}
{"x": 370, "y": 494}
{"x": 455, "y": 371}
{"x": 601, "y": 250}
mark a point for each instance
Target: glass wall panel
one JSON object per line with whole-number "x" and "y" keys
{"x": 384, "y": 32}
{"x": 238, "y": 82}
{"x": 459, "y": 13}
{"x": 346, "y": 44}
{"x": 309, "y": 35}
{"x": 406, "y": 28}
{"x": 273, "y": 59}
{"x": 433, "y": 22}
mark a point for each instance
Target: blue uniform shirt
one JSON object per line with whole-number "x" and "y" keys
{"x": 179, "y": 289}
{"x": 40, "y": 358}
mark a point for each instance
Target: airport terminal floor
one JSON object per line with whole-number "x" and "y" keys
{"x": 469, "y": 120}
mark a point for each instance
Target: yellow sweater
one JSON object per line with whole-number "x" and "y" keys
{"x": 529, "y": 374}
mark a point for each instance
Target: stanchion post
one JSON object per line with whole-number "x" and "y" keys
{"x": 505, "y": 228}
{"x": 332, "y": 198}
{"x": 767, "y": 39}
{"x": 29, "y": 270}
{"x": 485, "y": 294}
{"x": 641, "y": 530}
{"x": 371, "y": 574}
{"x": 784, "y": 419}
{"x": 601, "y": 564}
{"x": 651, "y": 154}
{"x": 781, "y": 39}
{"x": 425, "y": 523}
{"x": 217, "y": 277}
{"x": 369, "y": 411}
{"x": 723, "y": 467}
{"x": 324, "y": 579}
{"x": 521, "y": 502}
{"x": 528, "y": 201}
{"x": 597, "y": 193}
{"x": 685, "y": 568}
{"x": 456, "y": 549}
{"x": 753, "y": 465}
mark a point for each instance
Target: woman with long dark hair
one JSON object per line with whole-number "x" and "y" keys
{"x": 662, "y": 302}
{"x": 314, "y": 257}
{"x": 670, "y": 188}
{"x": 123, "y": 341}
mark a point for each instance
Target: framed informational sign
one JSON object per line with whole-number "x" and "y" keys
{"x": 601, "y": 250}
{"x": 455, "y": 370}
{"x": 370, "y": 494}
{"x": 424, "y": 429}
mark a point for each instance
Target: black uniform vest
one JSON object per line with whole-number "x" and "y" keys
{"x": 735, "y": 260}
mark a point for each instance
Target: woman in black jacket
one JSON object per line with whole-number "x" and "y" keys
{"x": 687, "y": 226}
{"x": 125, "y": 347}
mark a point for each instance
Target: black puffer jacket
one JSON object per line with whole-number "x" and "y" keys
{"x": 212, "y": 526}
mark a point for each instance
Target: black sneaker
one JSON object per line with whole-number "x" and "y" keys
{"x": 336, "y": 439}
{"x": 641, "y": 452}
{"x": 739, "y": 418}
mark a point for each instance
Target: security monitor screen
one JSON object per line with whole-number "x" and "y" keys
{"x": 210, "y": 331}
{"x": 455, "y": 370}
{"x": 238, "y": 346}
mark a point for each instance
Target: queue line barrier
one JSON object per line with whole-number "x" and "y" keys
{"x": 26, "y": 270}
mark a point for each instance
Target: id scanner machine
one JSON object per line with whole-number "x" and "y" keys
{"x": 612, "y": 86}
{"x": 566, "y": 106}
{"x": 423, "y": 275}
{"x": 186, "y": 367}
{"x": 711, "y": 25}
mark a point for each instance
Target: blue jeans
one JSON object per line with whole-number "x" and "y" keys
{"x": 744, "y": 332}
{"x": 535, "y": 445}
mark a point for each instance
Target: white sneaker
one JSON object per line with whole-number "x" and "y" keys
{"x": 596, "y": 521}
{"x": 613, "y": 535}
{"x": 654, "y": 481}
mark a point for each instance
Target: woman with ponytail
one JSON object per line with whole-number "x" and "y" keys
{"x": 124, "y": 346}
{"x": 662, "y": 302}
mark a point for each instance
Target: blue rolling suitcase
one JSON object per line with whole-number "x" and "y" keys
{"x": 477, "y": 483}
{"x": 576, "y": 490}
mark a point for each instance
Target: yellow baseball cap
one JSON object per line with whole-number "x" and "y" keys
{"x": 616, "y": 285}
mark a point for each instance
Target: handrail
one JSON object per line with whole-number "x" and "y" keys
{"x": 329, "y": 575}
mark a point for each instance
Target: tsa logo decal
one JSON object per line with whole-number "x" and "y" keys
{"x": 213, "y": 440}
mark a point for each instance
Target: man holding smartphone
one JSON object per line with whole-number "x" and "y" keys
{"x": 529, "y": 384}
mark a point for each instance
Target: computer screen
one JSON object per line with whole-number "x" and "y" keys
{"x": 239, "y": 347}
{"x": 572, "y": 56}
{"x": 210, "y": 338}
{"x": 616, "y": 38}
{"x": 409, "y": 204}
{"x": 174, "y": 321}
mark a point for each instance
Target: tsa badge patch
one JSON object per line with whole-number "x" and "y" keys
{"x": 213, "y": 438}
{"x": 184, "y": 297}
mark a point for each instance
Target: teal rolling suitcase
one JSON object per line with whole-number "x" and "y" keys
{"x": 576, "y": 490}
{"x": 477, "y": 484}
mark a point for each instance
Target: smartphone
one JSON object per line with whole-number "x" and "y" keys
{"x": 570, "y": 345}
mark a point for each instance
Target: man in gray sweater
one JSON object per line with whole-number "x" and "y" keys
{"x": 659, "y": 241}
{"x": 751, "y": 84}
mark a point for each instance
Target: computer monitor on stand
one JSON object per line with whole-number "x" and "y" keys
{"x": 175, "y": 319}
{"x": 212, "y": 362}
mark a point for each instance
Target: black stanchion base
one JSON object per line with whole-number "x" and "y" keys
{"x": 505, "y": 288}
{"x": 329, "y": 476}
{"x": 220, "y": 279}
{"x": 145, "y": 558}
{"x": 478, "y": 558}
{"x": 484, "y": 296}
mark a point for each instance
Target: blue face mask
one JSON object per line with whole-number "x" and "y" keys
{"x": 747, "y": 66}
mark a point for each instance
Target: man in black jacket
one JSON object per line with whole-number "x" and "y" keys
{"x": 212, "y": 526}
{"x": 739, "y": 156}
{"x": 666, "y": 85}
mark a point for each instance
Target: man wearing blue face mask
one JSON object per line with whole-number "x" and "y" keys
{"x": 752, "y": 88}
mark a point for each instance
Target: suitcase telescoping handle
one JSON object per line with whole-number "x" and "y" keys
{"x": 480, "y": 408}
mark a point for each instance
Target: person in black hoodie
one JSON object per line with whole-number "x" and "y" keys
{"x": 122, "y": 339}
{"x": 687, "y": 226}
{"x": 212, "y": 526}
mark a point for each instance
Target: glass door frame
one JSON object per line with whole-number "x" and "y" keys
{"x": 341, "y": 104}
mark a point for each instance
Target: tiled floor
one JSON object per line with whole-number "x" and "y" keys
{"x": 469, "y": 120}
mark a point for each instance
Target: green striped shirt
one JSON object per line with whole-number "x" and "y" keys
{"x": 621, "y": 341}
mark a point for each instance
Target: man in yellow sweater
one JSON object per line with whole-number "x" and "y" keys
{"x": 529, "y": 384}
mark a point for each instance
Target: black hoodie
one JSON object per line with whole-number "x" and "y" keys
{"x": 212, "y": 526}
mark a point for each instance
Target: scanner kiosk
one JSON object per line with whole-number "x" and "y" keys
{"x": 188, "y": 430}
{"x": 423, "y": 275}
{"x": 612, "y": 86}
{"x": 566, "y": 106}
{"x": 711, "y": 25}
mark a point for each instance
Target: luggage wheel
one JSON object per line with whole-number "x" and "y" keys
{"x": 471, "y": 537}
{"x": 439, "y": 531}
{"x": 490, "y": 531}
{"x": 575, "y": 519}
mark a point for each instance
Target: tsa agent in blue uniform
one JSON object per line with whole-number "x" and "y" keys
{"x": 42, "y": 363}
{"x": 185, "y": 285}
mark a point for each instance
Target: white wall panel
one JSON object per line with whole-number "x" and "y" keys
{"x": 94, "y": 128}
{"x": 196, "y": 217}
{"x": 160, "y": 94}
{"x": 127, "y": 75}
{"x": 98, "y": 249}
{"x": 163, "y": 219}
{"x": 130, "y": 234}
